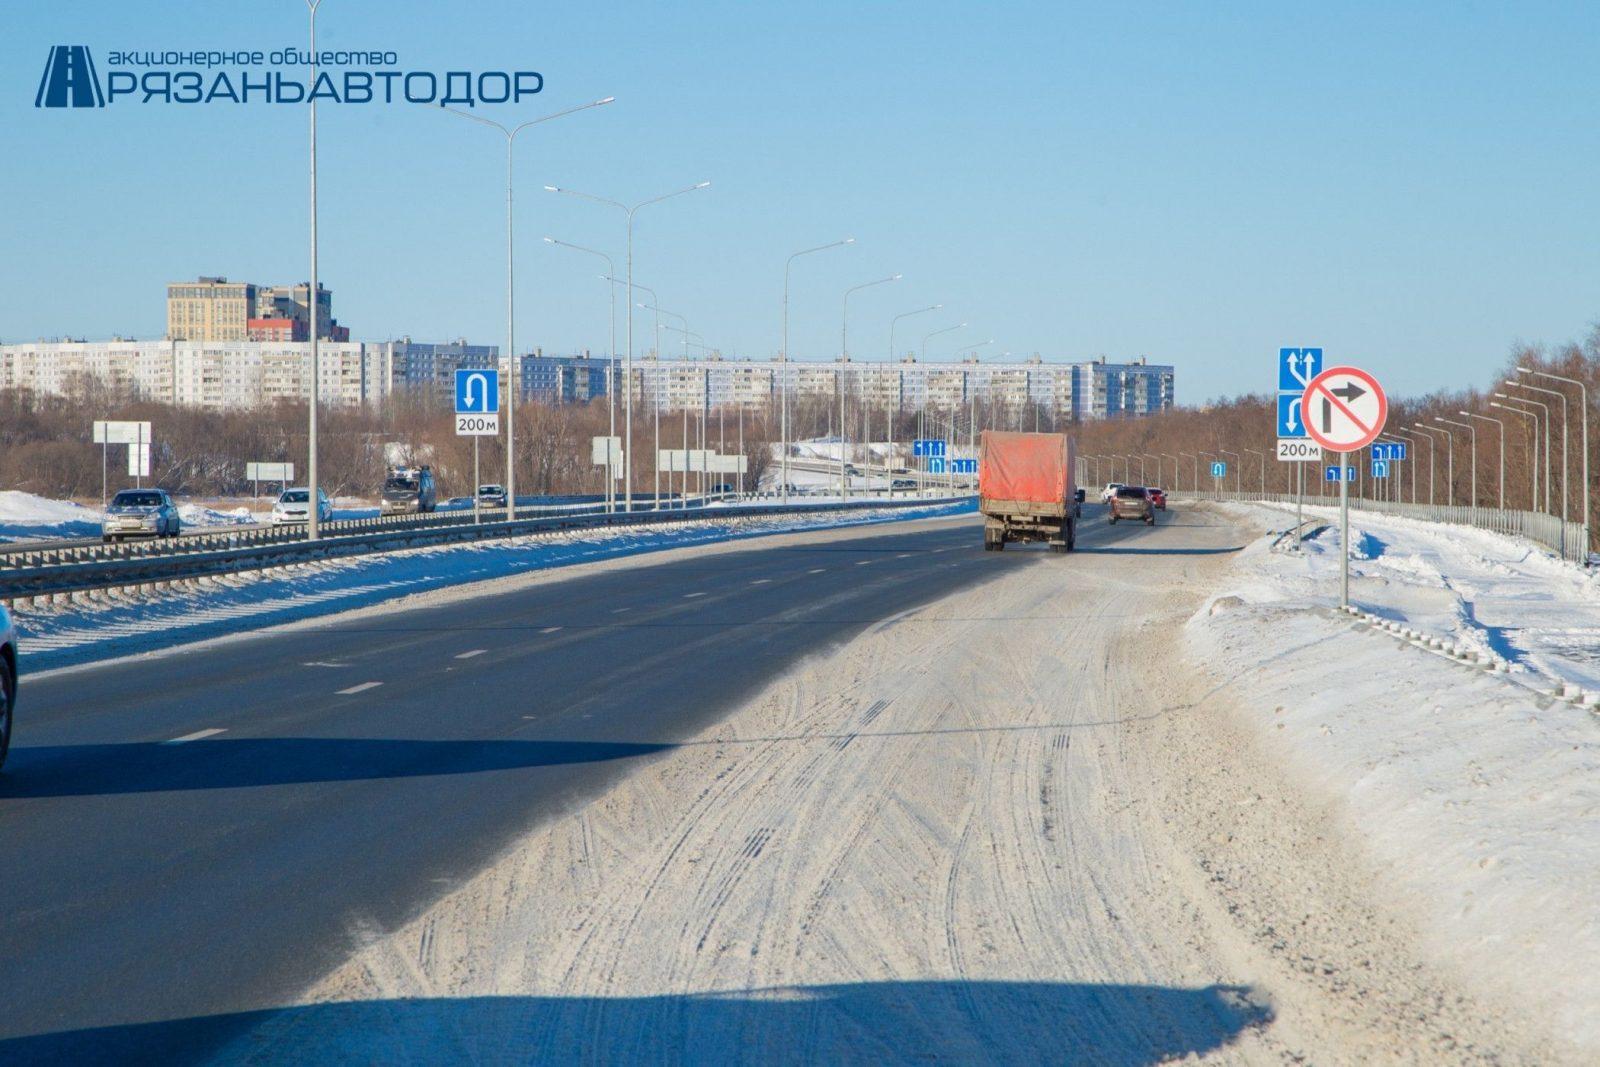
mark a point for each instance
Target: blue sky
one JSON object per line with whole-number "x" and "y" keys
{"x": 1413, "y": 187}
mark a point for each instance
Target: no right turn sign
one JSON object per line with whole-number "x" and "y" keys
{"x": 1344, "y": 409}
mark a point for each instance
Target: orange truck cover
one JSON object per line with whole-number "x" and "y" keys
{"x": 1025, "y": 473}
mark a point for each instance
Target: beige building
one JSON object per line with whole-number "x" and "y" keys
{"x": 210, "y": 309}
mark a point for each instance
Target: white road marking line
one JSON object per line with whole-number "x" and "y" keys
{"x": 362, "y": 688}
{"x": 862, "y": 562}
{"x": 197, "y": 735}
{"x": 619, "y": 611}
{"x": 321, "y": 663}
{"x": 816, "y": 570}
{"x": 691, "y": 596}
{"x": 761, "y": 581}
{"x": 549, "y": 629}
{"x": 474, "y": 652}
{"x": 903, "y": 555}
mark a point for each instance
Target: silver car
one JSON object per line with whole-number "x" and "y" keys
{"x": 8, "y": 680}
{"x": 140, "y": 513}
{"x": 294, "y": 505}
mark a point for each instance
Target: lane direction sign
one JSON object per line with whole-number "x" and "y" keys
{"x": 1296, "y": 368}
{"x": 1291, "y": 422}
{"x": 1331, "y": 474}
{"x": 477, "y": 403}
{"x": 1219, "y": 470}
{"x": 1345, "y": 409}
{"x": 1380, "y": 468}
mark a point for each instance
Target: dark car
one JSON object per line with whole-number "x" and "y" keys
{"x": 492, "y": 496}
{"x": 1158, "y": 497}
{"x": 8, "y": 680}
{"x": 408, "y": 490}
{"x": 1133, "y": 502}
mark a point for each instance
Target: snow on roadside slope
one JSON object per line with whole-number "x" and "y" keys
{"x": 1477, "y": 798}
{"x": 26, "y": 515}
{"x": 1488, "y": 592}
{"x": 122, "y": 624}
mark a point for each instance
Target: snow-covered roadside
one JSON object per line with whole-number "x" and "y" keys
{"x": 98, "y": 628}
{"x": 24, "y": 515}
{"x": 1476, "y": 797}
{"x": 1486, "y": 593}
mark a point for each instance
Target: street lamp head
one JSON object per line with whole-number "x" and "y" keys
{"x": 607, "y": 100}
{"x": 1523, "y": 370}
{"x": 849, "y": 241}
{"x": 703, "y": 185}
{"x": 549, "y": 240}
{"x": 895, "y": 277}
{"x": 551, "y": 189}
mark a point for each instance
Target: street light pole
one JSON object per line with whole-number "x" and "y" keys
{"x": 1450, "y": 463}
{"x": 510, "y": 134}
{"x": 783, "y": 357}
{"x": 1533, "y": 448}
{"x": 1584, "y": 427}
{"x": 1473, "y": 430}
{"x": 1238, "y": 471}
{"x": 1432, "y": 448}
{"x": 627, "y": 414}
{"x": 844, "y": 363}
{"x": 611, "y": 369}
{"x": 1566, "y": 468}
{"x": 313, "y": 516}
{"x": 1502, "y": 426}
{"x": 1549, "y": 429}
{"x": 1263, "y": 455}
{"x": 899, "y": 381}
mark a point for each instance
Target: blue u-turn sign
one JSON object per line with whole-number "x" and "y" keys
{"x": 477, "y": 392}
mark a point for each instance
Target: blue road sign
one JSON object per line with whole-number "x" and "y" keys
{"x": 1219, "y": 470}
{"x": 1380, "y": 468}
{"x": 477, "y": 392}
{"x": 927, "y": 447}
{"x": 1290, "y": 424}
{"x": 936, "y": 465}
{"x": 1296, "y": 368}
{"x": 1331, "y": 474}
{"x": 1388, "y": 451}
{"x": 964, "y": 466}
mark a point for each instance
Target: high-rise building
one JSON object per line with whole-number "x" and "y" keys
{"x": 215, "y": 309}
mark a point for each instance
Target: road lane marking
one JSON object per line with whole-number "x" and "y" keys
{"x": 619, "y": 611}
{"x": 322, "y": 663}
{"x": 691, "y": 596}
{"x": 761, "y": 581}
{"x": 903, "y": 555}
{"x": 362, "y": 688}
{"x": 862, "y": 562}
{"x": 816, "y": 570}
{"x": 197, "y": 735}
{"x": 549, "y": 629}
{"x": 474, "y": 652}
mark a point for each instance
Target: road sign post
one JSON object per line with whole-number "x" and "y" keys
{"x": 477, "y": 416}
{"x": 1345, "y": 409}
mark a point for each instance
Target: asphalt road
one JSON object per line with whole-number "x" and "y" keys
{"x": 208, "y": 833}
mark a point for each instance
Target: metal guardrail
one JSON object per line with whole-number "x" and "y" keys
{"x": 156, "y": 569}
{"x": 1565, "y": 539}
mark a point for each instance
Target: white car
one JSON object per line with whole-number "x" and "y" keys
{"x": 1109, "y": 493}
{"x": 292, "y": 506}
{"x": 140, "y": 513}
{"x": 8, "y": 680}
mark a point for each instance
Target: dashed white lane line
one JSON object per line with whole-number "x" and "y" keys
{"x": 474, "y": 652}
{"x": 549, "y": 629}
{"x": 903, "y": 555}
{"x": 323, "y": 663}
{"x": 197, "y": 735}
{"x": 761, "y": 581}
{"x": 362, "y": 688}
{"x": 816, "y": 570}
{"x": 691, "y": 596}
{"x": 863, "y": 562}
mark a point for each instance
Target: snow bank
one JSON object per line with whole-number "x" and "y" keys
{"x": 24, "y": 515}
{"x": 1477, "y": 797}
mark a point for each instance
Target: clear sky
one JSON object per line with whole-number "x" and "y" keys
{"x": 1413, "y": 186}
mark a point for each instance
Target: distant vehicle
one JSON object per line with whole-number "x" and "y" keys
{"x": 1109, "y": 493}
{"x": 1133, "y": 502}
{"x": 8, "y": 680}
{"x": 1080, "y": 495}
{"x": 140, "y": 513}
{"x": 294, "y": 505}
{"x": 723, "y": 488}
{"x": 904, "y": 483}
{"x": 492, "y": 496}
{"x": 408, "y": 491}
{"x": 1025, "y": 489}
{"x": 1158, "y": 497}
{"x": 852, "y": 470}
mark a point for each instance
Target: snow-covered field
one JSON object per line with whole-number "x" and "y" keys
{"x": 24, "y": 515}
{"x": 1475, "y": 793}
{"x": 113, "y": 624}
